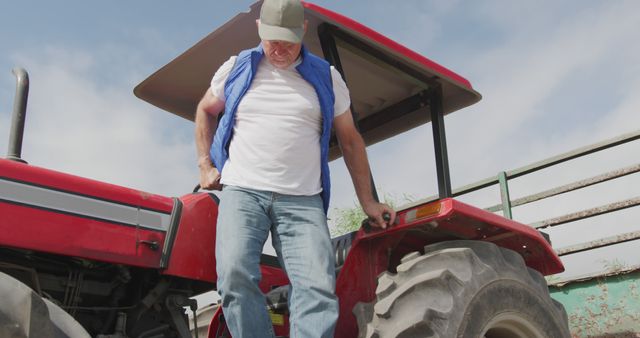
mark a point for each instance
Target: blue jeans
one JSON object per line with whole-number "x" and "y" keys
{"x": 301, "y": 239}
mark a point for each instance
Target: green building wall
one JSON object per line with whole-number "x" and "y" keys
{"x": 607, "y": 306}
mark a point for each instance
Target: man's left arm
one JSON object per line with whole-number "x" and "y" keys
{"x": 355, "y": 157}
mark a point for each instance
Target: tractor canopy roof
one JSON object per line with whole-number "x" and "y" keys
{"x": 388, "y": 82}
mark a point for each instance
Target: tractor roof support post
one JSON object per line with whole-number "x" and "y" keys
{"x": 330, "y": 51}
{"x": 19, "y": 114}
{"x": 440, "y": 142}
{"x": 328, "y": 33}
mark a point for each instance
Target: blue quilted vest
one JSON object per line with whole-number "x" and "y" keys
{"x": 313, "y": 69}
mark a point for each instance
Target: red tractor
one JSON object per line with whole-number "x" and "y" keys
{"x": 80, "y": 257}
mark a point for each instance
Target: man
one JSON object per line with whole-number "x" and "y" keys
{"x": 270, "y": 152}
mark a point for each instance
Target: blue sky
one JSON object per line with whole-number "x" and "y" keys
{"x": 554, "y": 76}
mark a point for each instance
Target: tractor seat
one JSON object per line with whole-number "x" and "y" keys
{"x": 341, "y": 246}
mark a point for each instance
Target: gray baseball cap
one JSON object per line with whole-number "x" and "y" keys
{"x": 281, "y": 20}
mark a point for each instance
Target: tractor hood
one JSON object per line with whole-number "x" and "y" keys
{"x": 387, "y": 81}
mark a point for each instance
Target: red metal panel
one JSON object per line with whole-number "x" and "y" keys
{"x": 216, "y": 326}
{"x": 369, "y": 33}
{"x": 523, "y": 239}
{"x": 357, "y": 280}
{"x": 272, "y": 277}
{"x": 193, "y": 252}
{"x": 52, "y": 232}
{"x": 457, "y": 220}
{"x": 79, "y": 185}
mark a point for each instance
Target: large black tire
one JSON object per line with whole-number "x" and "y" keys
{"x": 466, "y": 289}
{"x": 23, "y": 313}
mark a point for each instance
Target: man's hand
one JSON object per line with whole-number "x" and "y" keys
{"x": 209, "y": 178}
{"x": 376, "y": 212}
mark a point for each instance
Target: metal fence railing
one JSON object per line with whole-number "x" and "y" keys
{"x": 502, "y": 180}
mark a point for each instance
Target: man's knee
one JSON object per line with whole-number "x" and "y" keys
{"x": 238, "y": 271}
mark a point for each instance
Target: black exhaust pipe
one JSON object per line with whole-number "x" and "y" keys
{"x": 19, "y": 115}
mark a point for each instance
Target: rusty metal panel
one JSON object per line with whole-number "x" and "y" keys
{"x": 601, "y": 210}
{"x": 599, "y": 243}
{"x": 606, "y": 306}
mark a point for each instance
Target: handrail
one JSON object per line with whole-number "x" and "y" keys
{"x": 551, "y": 161}
{"x": 570, "y": 187}
{"x": 570, "y": 155}
{"x": 576, "y": 216}
{"x": 507, "y": 204}
{"x": 564, "y": 157}
{"x": 600, "y": 243}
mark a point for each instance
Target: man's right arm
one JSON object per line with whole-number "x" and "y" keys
{"x": 206, "y": 124}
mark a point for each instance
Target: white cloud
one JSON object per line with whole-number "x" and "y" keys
{"x": 519, "y": 76}
{"x": 625, "y": 116}
{"x": 81, "y": 126}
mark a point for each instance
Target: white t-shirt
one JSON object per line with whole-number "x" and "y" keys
{"x": 276, "y": 136}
